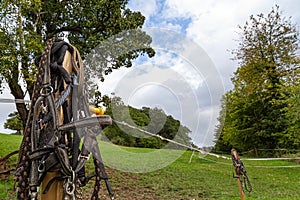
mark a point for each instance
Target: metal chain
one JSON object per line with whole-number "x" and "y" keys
{"x": 79, "y": 193}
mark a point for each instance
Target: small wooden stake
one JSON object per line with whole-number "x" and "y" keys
{"x": 236, "y": 164}
{"x": 242, "y": 194}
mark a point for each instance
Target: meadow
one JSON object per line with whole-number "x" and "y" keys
{"x": 139, "y": 173}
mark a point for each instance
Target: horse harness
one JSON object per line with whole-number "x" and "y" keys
{"x": 59, "y": 119}
{"x": 240, "y": 171}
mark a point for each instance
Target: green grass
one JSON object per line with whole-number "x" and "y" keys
{"x": 8, "y": 143}
{"x": 167, "y": 174}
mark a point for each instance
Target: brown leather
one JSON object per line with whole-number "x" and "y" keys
{"x": 56, "y": 191}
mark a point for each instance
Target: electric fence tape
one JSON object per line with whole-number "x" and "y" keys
{"x": 208, "y": 153}
{"x": 7, "y": 100}
{"x": 171, "y": 141}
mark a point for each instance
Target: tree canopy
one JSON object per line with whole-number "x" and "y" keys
{"x": 153, "y": 120}
{"x": 25, "y": 25}
{"x": 14, "y": 122}
{"x": 259, "y": 111}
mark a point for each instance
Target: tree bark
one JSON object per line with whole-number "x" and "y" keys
{"x": 18, "y": 93}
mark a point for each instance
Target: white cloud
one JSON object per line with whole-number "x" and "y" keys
{"x": 181, "y": 79}
{"x": 6, "y": 109}
{"x": 147, "y": 8}
{"x": 111, "y": 80}
{"x": 170, "y": 26}
{"x": 213, "y": 25}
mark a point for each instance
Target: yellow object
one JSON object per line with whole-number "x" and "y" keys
{"x": 96, "y": 111}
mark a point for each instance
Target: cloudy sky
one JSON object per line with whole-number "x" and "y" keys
{"x": 192, "y": 66}
{"x": 188, "y": 77}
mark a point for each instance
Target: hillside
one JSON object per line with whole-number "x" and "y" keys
{"x": 153, "y": 120}
{"x": 202, "y": 178}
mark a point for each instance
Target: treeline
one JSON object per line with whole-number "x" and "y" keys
{"x": 152, "y": 120}
{"x": 262, "y": 111}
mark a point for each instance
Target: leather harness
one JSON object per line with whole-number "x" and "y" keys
{"x": 55, "y": 142}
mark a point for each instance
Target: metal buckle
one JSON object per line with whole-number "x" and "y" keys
{"x": 84, "y": 157}
{"x": 46, "y": 90}
{"x": 41, "y": 167}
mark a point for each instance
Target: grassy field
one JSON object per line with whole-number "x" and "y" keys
{"x": 157, "y": 174}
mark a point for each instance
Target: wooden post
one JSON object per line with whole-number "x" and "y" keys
{"x": 56, "y": 190}
{"x": 237, "y": 164}
{"x": 242, "y": 194}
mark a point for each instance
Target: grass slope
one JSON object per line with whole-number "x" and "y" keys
{"x": 202, "y": 178}
{"x": 8, "y": 143}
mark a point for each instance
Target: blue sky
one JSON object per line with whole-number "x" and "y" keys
{"x": 188, "y": 77}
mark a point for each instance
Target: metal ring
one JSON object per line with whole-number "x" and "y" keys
{"x": 46, "y": 90}
{"x": 70, "y": 188}
{"x": 41, "y": 167}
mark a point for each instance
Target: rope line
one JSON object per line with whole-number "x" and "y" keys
{"x": 162, "y": 138}
{"x": 266, "y": 159}
{"x": 209, "y": 153}
{"x": 7, "y": 100}
{"x": 248, "y": 166}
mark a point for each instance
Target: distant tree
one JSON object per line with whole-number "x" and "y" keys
{"x": 291, "y": 136}
{"x": 145, "y": 119}
{"x": 25, "y": 25}
{"x": 220, "y": 143}
{"x": 14, "y": 122}
{"x": 255, "y": 108}
{"x": 158, "y": 119}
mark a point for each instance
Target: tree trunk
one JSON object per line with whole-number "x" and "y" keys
{"x": 15, "y": 88}
{"x": 18, "y": 93}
